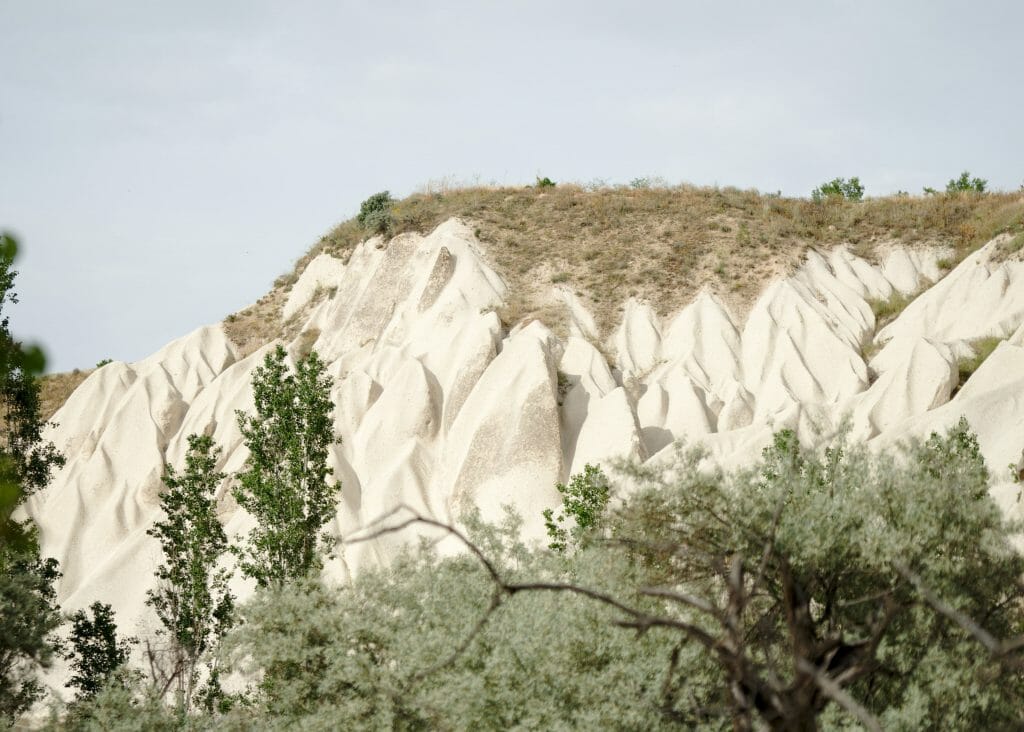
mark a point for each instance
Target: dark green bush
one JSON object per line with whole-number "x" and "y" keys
{"x": 375, "y": 213}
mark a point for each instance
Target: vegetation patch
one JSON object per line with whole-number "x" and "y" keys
{"x": 54, "y": 390}
{"x": 982, "y": 348}
{"x": 889, "y": 309}
{"x": 881, "y": 587}
{"x": 666, "y": 242}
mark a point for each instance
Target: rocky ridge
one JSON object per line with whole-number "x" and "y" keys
{"x": 440, "y": 406}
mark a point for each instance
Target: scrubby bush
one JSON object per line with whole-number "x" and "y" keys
{"x": 850, "y": 190}
{"x": 966, "y": 184}
{"x": 818, "y": 589}
{"x": 545, "y": 182}
{"x": 375, "y": 213}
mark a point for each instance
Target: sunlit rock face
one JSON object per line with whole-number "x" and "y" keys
{"x": 441, "y": 407}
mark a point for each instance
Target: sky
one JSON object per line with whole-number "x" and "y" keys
{"x": 162, "y": 163}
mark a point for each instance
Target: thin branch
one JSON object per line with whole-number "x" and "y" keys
{"x": 695, "y": 602}
{"x": 496, "y": 600}
{"x": 417, "y": 518}
{"x": 834, "y": 692}
{"x": 995, "y": 646}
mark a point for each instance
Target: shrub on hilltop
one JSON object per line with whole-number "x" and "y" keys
{"x": 840, "y": 188}
{"x": 375, "y": 213}
{"x": 966, "y": 184}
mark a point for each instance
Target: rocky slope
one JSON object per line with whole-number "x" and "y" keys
{"x": 440, "y": 406}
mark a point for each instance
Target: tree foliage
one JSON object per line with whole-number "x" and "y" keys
{"x": 192, "y": 598}
{"x": 96, "y": 654}
{"x": 375, "y": 213}
{"x": 966, "y": 184}
{"x": 851, "y": 190}
{"x": 28, "y": 609}
{"x": 796, "y": 578}
{"x": 836, "y": 589}
{"x": 286, "y": 484}
{"x": 29, "y": 615}
{"x": 584, "y": 501}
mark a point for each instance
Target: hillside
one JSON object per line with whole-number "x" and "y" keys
{"x": 485, "y": 359}
{"x": 662, "y": 245}
{"x": 657, "y": 244}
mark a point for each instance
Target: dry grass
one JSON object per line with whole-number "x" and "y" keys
{"x": 658, "y": 243}
{"x": 260, "y": 323}
{"x": 664, "y": 244}
{"x": 54, "y": 390}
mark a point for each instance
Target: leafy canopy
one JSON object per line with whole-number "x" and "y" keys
{"x": 584, "y": 501}
{"x": 375, "y": 213}
{"x": 192, "y": 599}
{"x": 286, "y": 483}
{"x": 966, "y": 184}
{"x": 96, "y": 653}
{"x": 799, "y": 594}
{"x": 851, "y": 190}
{"x": 29, "y": 614}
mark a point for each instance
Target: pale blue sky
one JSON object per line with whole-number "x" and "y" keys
{"x": 164, "y": 162}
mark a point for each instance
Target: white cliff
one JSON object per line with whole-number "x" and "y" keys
{"x": 441, "y": 407}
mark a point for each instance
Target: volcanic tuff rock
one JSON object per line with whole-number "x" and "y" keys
{"x": 441, "y": 407}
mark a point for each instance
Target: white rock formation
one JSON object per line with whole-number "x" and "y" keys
{"x": 440, "y": 407}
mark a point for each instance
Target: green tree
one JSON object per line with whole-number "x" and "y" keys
{"x": 804, "y": 593}
{"x": 802, "y": 581}
{"x": 96, "y": 654}
{"x": 584, "y": 501}
{"x": 192, "y": 598}
{"x": 29, "y": 614}
{"x": 839, "y": 589}
{"x": 966, "y": 184}
{"x": 286, "y": 483}
{"x": 840, "y": 188}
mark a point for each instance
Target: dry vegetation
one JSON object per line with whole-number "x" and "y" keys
{"x": 54, "y": 390}
{"x": 662, "y": 244}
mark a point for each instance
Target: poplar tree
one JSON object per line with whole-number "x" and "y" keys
{"x": 192, "y": 598}
{"x": 286, "y": 485}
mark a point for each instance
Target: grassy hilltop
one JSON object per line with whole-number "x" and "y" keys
{"x": 659, "y": 243}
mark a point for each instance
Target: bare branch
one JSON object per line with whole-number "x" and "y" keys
{"x": 993, "y": 645}
{"x": 834, "y": 692}
{"x": 417, "y": 518}
{"x": 695, "y": 602}
{"x": 496, "y": 600}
